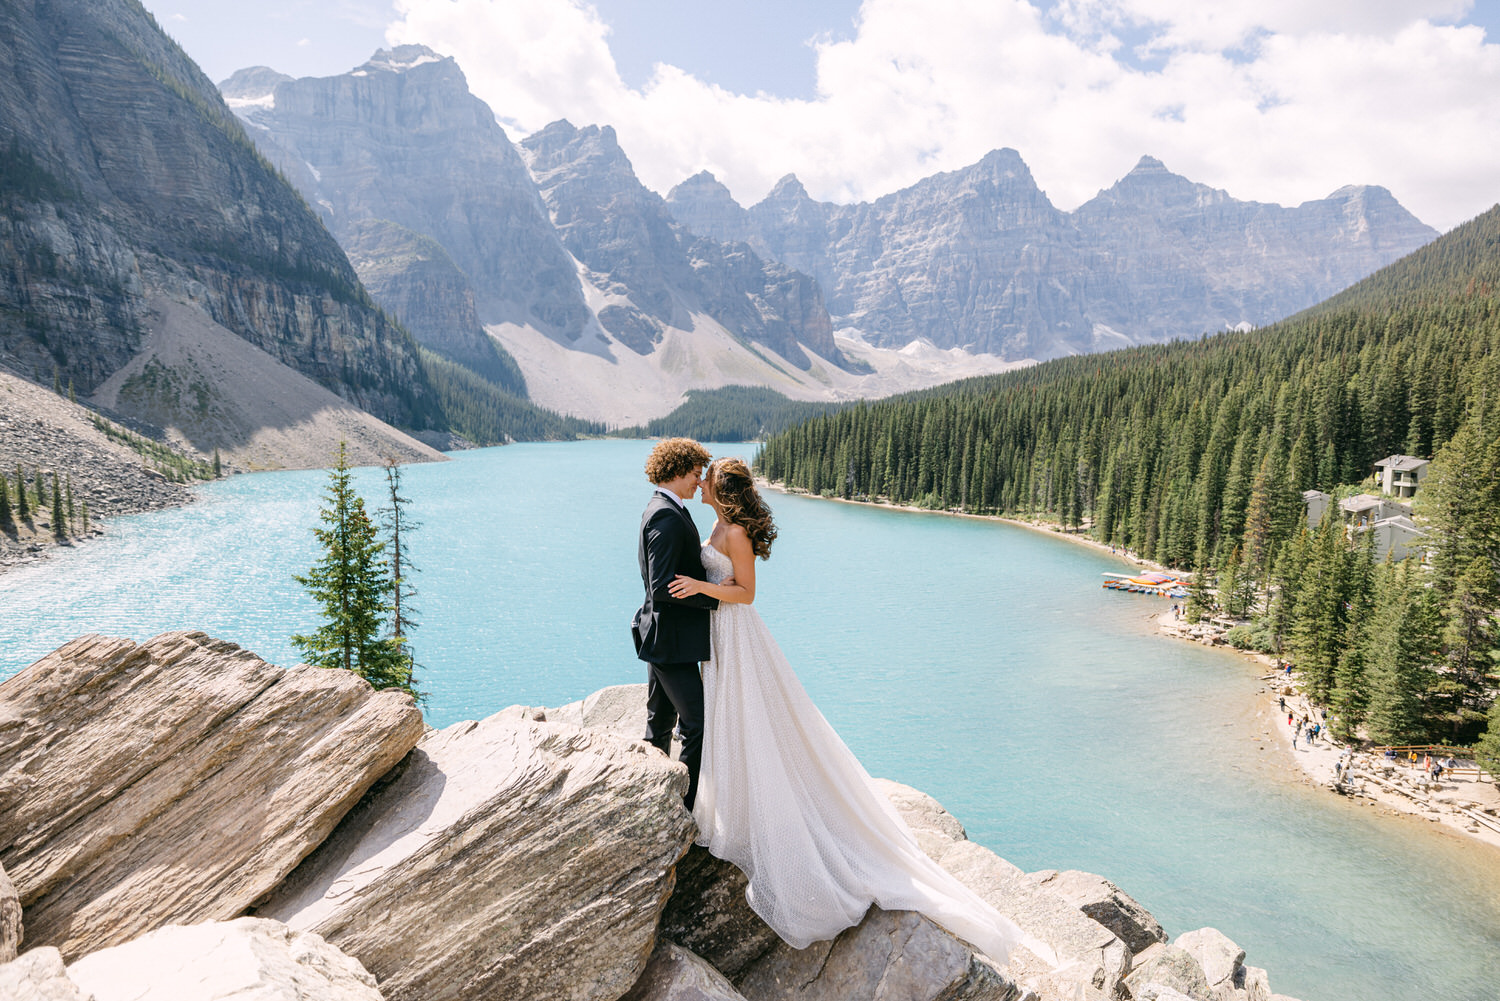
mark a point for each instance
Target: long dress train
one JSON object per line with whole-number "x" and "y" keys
{"x": 783, "y": 798}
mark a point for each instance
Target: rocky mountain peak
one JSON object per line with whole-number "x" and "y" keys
{"x": 788, "y": 189}
{"x": 403, "y": 58}
{"x": 701, "y": 185}
{"x": 251, "y": 84}
{"x": 561, "y": 144}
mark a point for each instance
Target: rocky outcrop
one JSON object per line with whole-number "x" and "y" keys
{"x": 219, "y": 961}
{"x": 1106, "y": 903}
{"x": 11, "y": 930}
{"x": 175, "y": 780}
{"x": 979, "y": 258}
{"x": 539, "y": 853}
{"x": 890, "y": 955}
{"x": 502, "y": 853}
{"x": 675, "y": 974}
{"x": 39, "y": 975}
{"x": 126, "y": 177}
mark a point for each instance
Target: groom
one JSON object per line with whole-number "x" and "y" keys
{"x": 671, "y": 634}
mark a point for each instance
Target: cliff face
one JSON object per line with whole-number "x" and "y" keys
{"x": 126, "y": 178}
{"x": 401, "y": 139}
{"x": 980, "y": 259}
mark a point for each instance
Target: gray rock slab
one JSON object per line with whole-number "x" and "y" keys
{"x": 1107, "y": 904}
{"x": 224, "y": 961}
{"x": 1091, "y": 958}
{"x": 936, "y": 829}
{"x": 177, "y": 780}
{"x": 1257, "y": 984}
{"x": 38, "y": 975}
{"x": 508, "y": 858}
{"x": 1220, "y": 958}
{"x": 1160, "y": 992}
{"x": 708, "y": 914}
{"x": 890, "y": 955}
{"x": 10, "y": 919}
{"x": 675, "y": 974}
{"x": 1170, "y": 966}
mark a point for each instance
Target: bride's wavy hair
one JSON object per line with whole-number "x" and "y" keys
{"x": 734, "y": 489}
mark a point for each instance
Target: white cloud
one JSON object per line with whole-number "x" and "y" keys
{"x": 303, "y": 43}
{"x": 1277, "y": 100}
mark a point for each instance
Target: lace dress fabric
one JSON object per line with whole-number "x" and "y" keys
{"x": 783, "y": 798}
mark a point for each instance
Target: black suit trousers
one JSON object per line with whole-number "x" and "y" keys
{"x": 675, "y": 692}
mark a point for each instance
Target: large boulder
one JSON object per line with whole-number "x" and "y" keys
{"x": 1106, "y": 903}
{"x": 1221, "y": 959}
{"x": 10, "y": 919}
{"x": 38, "y": 975}
{"x": 176, "y": 780}
{"x": 709, "y": 915}
{"x": 511, "y": 857}
{"x": 675, "y": 974}
{"x": 1092, "y": 959}
{"x": 219, "y": 961}
{"x": 890, "y": 955}
{"x": 1170, "y": 967}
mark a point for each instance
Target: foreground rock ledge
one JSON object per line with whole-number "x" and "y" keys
{"x": 241, "y": 959}
{"x": 509, "y": 858}
{"x": 177, "y": 780}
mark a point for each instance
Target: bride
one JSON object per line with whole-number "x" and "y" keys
{"x": 779, "y": 794}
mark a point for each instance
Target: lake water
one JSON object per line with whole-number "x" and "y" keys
{"x": 979, "y": 662}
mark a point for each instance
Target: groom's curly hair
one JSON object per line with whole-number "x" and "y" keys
{"x": 734, "y": 491}
{"x": 674, "y": 457}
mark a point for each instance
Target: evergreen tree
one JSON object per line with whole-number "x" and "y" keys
{"x": 85, "y": 510}
{"x": 400, "y": 663}
{"x": 1400, "y": 642}
{"x": 349, "y": 583}
{"x": 70, "y": 510}
{"x": 23, "y": 508}
{"x": 59, "y": 520}
{"x": 1350, "y": 694}
{"x": 218, "y": 468}
{"x": 40, "y": 485}
{"x": 6, "y": 518}
{"x": 1469, "y": 638}
{"x": 1320, "y": 609}
{"x": 1487, "y": 751}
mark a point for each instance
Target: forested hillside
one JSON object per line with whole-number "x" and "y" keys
{"x": 1195, "y": 454}
{"x": 732, "y": 413}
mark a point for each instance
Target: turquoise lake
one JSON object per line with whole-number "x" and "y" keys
{"x": 980, "y": 662}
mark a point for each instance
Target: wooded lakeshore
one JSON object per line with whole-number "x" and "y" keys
{"x": 1195, "y": 455}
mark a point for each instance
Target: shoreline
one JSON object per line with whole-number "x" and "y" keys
{"x": 1374, "y": 782}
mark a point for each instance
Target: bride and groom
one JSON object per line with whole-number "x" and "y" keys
{"x": 770, "y": 784}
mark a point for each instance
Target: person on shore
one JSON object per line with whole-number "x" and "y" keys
{"x": 1282, "y": 702}
{"x": 1288, "y": 715}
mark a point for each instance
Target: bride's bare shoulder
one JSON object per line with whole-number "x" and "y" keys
{"x": 736, "y": 535}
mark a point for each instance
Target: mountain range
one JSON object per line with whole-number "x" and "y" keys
{"x": 154, "y": 225}
{"x": 979, "y": 258}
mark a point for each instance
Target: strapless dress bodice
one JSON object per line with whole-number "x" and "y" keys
{"x": 716, "y": 565}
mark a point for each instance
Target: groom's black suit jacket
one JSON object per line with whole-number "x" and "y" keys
{"x": 670, "y": 630}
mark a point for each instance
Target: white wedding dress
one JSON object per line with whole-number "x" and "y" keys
{"x": 782, "y": 797}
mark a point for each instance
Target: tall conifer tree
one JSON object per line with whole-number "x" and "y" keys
{"x": 350, "y": 584}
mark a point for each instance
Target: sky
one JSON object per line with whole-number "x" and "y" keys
{"x": 1271, "y": 100}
